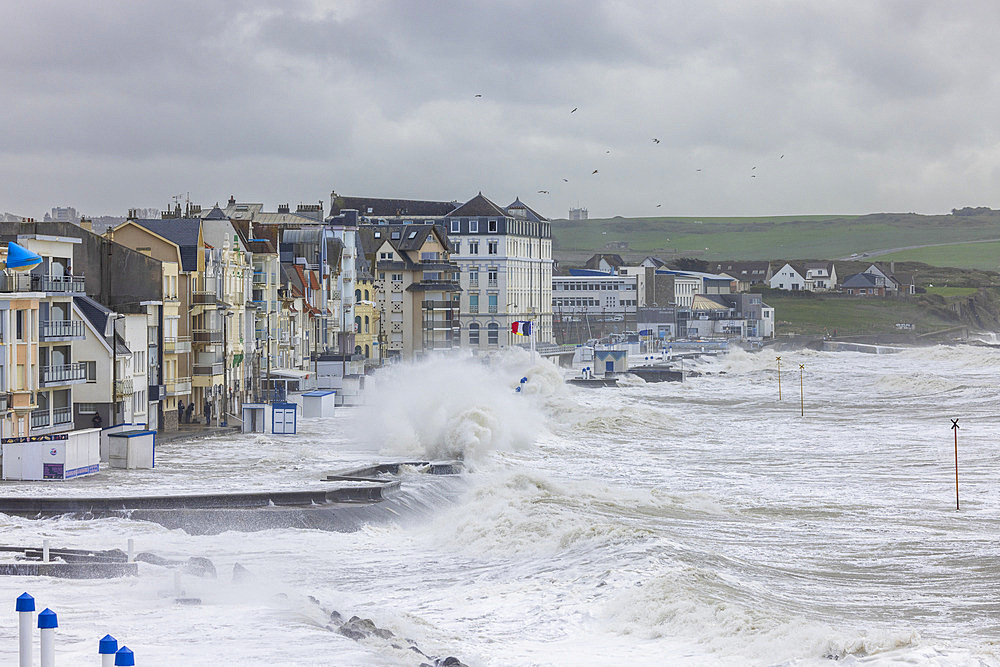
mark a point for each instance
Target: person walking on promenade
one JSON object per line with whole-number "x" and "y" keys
{"x": 180, "y": 412}
{"x": 189, "y": 413}
{"x": 208, "y": 412}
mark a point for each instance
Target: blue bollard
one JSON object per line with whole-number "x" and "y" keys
{"x": 47, "y": 624}
{"x": 25, "y": 608}
{"x": 107, "y": 648}
{"x": 124, "y": 657}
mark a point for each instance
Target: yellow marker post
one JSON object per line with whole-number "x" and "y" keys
{"x": 954, "y": 427}
{"x": 778, "y": 359}
{"x": 802, "y": 400}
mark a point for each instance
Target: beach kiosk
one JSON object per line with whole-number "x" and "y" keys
{"x": 57, "y": 456}
{"x": 277, "y": 418}
{"x": 132, "y": 449}
{"x": 610, "y": 361}
{"x": 319, "y": 403}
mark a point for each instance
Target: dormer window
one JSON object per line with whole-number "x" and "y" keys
{"x": 492, "y": 226}
{"x": 394, "y": 236}
{"x": 412, "y": 235}
{"x": 456, "y": 226}
{"x": 473, "y": 226}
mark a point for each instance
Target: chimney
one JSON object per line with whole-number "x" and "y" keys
{"x": 892, "y": 267}
{"x": 232, "y": 200}
{"x": 87, "y": 223}
{"x": 282, "y": 208}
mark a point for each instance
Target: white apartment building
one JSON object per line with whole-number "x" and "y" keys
{"x": 505, "y": 257}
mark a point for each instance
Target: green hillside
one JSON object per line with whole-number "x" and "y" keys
{"x": 820, "y": 237}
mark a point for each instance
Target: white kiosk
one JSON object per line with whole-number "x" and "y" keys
{"x": 256, "y": 418}
{"x": 57, "y": 456}
{"x": 319, "y": 403}
{"x": 277, "y": 418}
{"x": 283, "y": 418}
{"x": 132, "y": 449}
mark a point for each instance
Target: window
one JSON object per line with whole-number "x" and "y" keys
{"x": 492, "y": 248}
{"x": 412, "y": 235}
{"x": 474, "y": 333}
{"x": 394, "y": 236}
{"x": 491, "y": 226}
{"x": 493, "y": 303}
{"x": 456, "y": 226}
{"x": 491, "y": 277}
{"x": 493, "y": 333}
{"x": 473, "y": 226}
{"x": 378, "y": 234}
{"x": 19, "y": 324}
{"x": 357, "y": 295}
{"x": 385, "y": 255}
{"x": 366, "y": 296}
{"x": 458, "y": 247}
{"x": 367, "y": 322}
{"x": 91, "y": 367}
{"x": 357, "y": 324}
{"x": 397, "y": 277}
{"x": 86, "y": 408}
{"x": 473, "y": 303}
{"x": 473, "y": 247}
{"x": 474, "y": 276}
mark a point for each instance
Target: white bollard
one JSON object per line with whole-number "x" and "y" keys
{"x": 107, "y": 647}
{"x": 25, "y": 611}
{"x": 131, "y": 550}
{"x": 45, "y": 551}
{"x": 47, "y": 624}
{"x": 124, "y": 657}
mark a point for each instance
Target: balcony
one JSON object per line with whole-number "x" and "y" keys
{"x": 61, "y": 284}
{"x": 123, "y": 388}
{"x": 438, "y": 305}
{"x": 5, "y": 402}
{"x": 208, "y": 369}
{"x": 208, "y": 336}
{"x": 40, "y": 418}
{"x": 493, "y": 309}
{"x": 176, "y": 344}
{"x": 62, "y": 416}
{"x": 178, "y": 386}
{"x": 200, "y": 298}
{"x": 474, "y": 309}
{"x": 63, "y": 374}
{"x": 491, "y": 283}
{"x": 57, "y": 330}
{"x": 259, "y": 278}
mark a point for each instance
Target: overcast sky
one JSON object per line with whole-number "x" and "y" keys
{"x": 875, "y": 106}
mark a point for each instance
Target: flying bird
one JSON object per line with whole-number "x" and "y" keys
{"x": 659, "y": 205}
{"x": 479, "y": 95}
{"x": 565, "y": 180}
{"x": 594, "y": 172}
{"x": 543, "y": 192}
{"x": 781, "y": 156}
{"x": 574, "y": 109}
{"x": 753, "y": 175}
{"x": 697, "y": 169}
{"x": 753, "y": 167}
{"x": 656, "y": 141}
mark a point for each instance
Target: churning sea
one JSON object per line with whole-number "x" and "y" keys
{"x": 695, "y": 523}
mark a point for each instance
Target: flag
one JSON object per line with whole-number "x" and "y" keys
{"x": 521, "y": 328}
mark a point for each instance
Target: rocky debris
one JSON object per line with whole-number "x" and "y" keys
{"x": 450, "y": 661}
{"x": 361, "y": 628}
{"x": 196, "y": 565}
{"x": 241, "y": 575}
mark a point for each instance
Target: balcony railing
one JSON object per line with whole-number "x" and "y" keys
{"x": 437, "y": 305}
{"x": 51, "y": 329}
{"x": 73, "y": 284}
{"x": 62, "y": 416}
{"x": 200, "y": 298}
{"x": 206, "y": 335}
{"x": 40, "y": 418}
{"x": 474, "y": 309}
{"x": 123, "y": 388}
{"x": 177, "y": 344}
{"x": 493, "y": 309}
{"x": 63, "y": 373}
{"x": 179, "y": 386}
{"x": 208, "y": 369}
{"x": 491, "y": 283}
{"x": 259, "y": 278}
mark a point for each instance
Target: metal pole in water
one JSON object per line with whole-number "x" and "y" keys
{"x": 25, "y": 607}
{"x": 131, "y": 550}
{"x": 47, "y": 624}
{"x": 107, "y": 648}
{"x": 45, "y": 551}
{"x": 955, "y": 427}
{"x": 802, "y": 404}
{"x": 778, "y": 359}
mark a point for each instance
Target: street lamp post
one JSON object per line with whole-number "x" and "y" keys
{"x": 223, "y": 418}
{"x": 113, "y": 411}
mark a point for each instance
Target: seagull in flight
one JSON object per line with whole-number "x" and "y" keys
{"x": 543, "y": 192}
{"x": 753, "y": 167}
{"x": 659, "y": 205}
{"x": 593, "y": 172}
{"x": 574, "y": 109}
{"x": 565, "y": 180}
{"x": 479, "y": 94}
{"x": 655, "y": 140}
{"x": 780, "y": 157}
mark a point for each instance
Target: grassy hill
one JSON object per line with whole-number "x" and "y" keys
{"x": 819, "y": 237}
